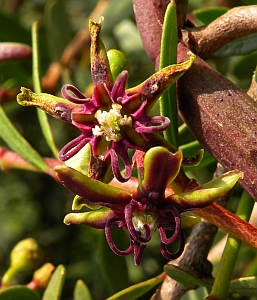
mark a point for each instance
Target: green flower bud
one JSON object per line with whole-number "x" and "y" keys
{"x": 41, "y": 277}
{"x": 118, "y": 62}
{"x": 26, "y": 256}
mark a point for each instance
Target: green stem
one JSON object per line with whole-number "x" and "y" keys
{"x": 168, "y": 56}
{"x": 229, "y": 257}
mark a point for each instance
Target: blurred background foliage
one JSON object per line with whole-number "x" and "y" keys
{"x": 33, "y": 204}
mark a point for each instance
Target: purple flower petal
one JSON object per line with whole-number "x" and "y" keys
{"x": 175, "y": 255}
{"x": 115, "y": 165}
{"x": 175, "y": 215}
{"x": 73, "y": 147}
{"x": 79, "y": 99}
{"x": 109, "y": 239}
{"x": 147, "y": 126}
{"x": 138, "y": 253}
{"x": 118, "y": 89}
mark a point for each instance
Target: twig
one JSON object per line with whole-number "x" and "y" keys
{"x": 238, "y": 22}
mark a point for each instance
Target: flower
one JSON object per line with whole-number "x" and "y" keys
{"x": 152, "y": 205}
{"x": 115, "y": 119}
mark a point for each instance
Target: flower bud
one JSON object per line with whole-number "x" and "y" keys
{"x": 118, "y": 62}
{"x": 26, "y": 256}
{"x": 41, "y": 277}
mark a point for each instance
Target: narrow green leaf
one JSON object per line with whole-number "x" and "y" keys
{"x": 244, "y": 286}
{"x": 43, "y": 120}
{"x": 18, "y": 292}
{"x": 58, "y": 27}
{"x": 13, "y": 31}
{"x": 168, "y": 56}
{"x": 54, "y": 288}
{"x": 137, "y": 290}
{"x": 186, "y": 278}
{"x": 208, "y": 14}
{"x": 81, "y": 291}
{"x": 240, "y": 46}
{"x": 18, "y": 144}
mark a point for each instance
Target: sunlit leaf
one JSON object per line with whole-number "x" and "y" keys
{"x": 81, "y": 291}
{"x": 168, "y": 56}
{"x": 137, "y": 290}
{"x": 54, "y": 288}
{"x": 186, "y": 278}
{"x": 43, "y": 120}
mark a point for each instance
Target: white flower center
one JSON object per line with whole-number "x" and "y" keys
{"x": 110, "y": 123}
{"x": 149, "y": 217}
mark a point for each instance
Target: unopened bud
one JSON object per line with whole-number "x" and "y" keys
{"x": 26, "y": 256}
{"x": 41, "y": 277}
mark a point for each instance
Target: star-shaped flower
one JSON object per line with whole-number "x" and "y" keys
{"x": 115, "y": 119}
{"x": 153, "y": 205}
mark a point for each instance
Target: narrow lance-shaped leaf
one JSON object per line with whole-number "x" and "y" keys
{"x": 54, "y": 288}
{"x": 137, "y": 290}
{"x": 246, "y": 286}
{"x": 81, "y": 291}
{"x": 18, "y": 144}
{"x": 42, "y": 117}
{"x": 168, "y": 56}
{"x": 186, "y": 278}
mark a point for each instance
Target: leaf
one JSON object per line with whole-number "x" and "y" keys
{"x": 168, "y": 56}
{"x": 54, "y": 288}
{"x": 137, "y": 290}
{"x": 185, "y": 278}
{"x": 81, "y": 291}
{"x": 18, "y": 144}
{"x": 58, "y": 27}
{"x": 209, "y": 14}
{"x": 43, "y": 120}
{"x": 240, "y": 46}
{"x": 18, "y": 293}
{"x": 244, "y": 286}
{"x": 13, "y": 31}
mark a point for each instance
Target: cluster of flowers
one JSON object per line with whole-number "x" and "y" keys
{"x": 113, "y": 121}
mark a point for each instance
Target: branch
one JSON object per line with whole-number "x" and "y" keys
{"x": 238, "y": 22}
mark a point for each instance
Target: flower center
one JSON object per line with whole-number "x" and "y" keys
{"x": 110, "y": 123}
{"x": 148, "y": 217}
